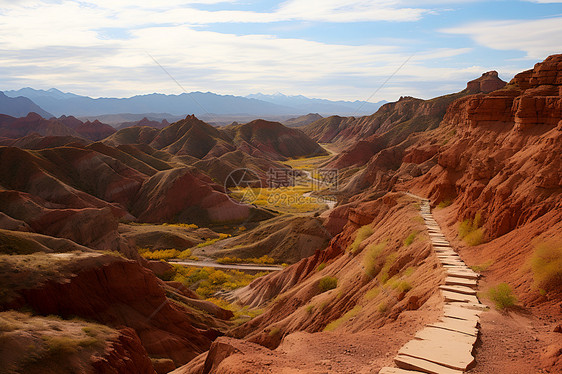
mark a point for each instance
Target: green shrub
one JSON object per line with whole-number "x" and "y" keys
{"x": 372, "y": 293}
{"x": 346, "y": 317}
{"x": 274, "y": 331}
{"x": 327, "y": 283}
{"x": 482, "y": 267}
{"x": 321, "y": 266}
{"x": 502, "y": 296}
{"x": 362, "y": 233}
{"x": 382, "y": 308}
{"x": 410, "y": 239}
{"x": 184, "y": 254}
{"x": 404, "y": 286}
{"x": 470, "y": 231}
{"x": 444, "y": 203}
{"x": 372, "y": 261}
{"x": 161, "y": 254}
{"x": 546, "y": 264}
{"x": 389, "y": 261}
{"x": 265, "y": 259}
{"x": 475, "y": 237}
{"x": 309, "y": 308}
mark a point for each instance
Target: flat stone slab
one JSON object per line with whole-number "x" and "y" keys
{"x": 461, "y": 313}
{"x": 459, "y": 297}
{"x": 434, "y": 333}
{"x": 449, "y": 353}
{"x": 459, "y": 325}
{"x": 472, "y": 306}
{"x": 445, "y": 251}
{"x": 463, "y": 274}
{"x": 458, "y": 289}
{"x": 452, "y": 261}
{"x": 458, "y": 267}
{"x": 460, "y": 281}
{"x": 412, "y": 363}
{"x": 388, "y": 370}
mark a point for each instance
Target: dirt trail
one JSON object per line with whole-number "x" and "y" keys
{"x": 241, "y": 267}
{"x": 444, "y": 347}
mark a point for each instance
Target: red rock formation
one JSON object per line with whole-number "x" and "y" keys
{"x": 504, "y": 159}
{"x": 124, "y": 355}
{"x": 94, "y": 130}
{"x": 118, "y": 292}
{"x": 488, "y": 82}
{"x": 185, "y": 194}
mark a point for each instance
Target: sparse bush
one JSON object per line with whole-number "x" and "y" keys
{"x": 382, "y": 308}
{"x": 410, "y": 239}
{"x": 206, "y": 281}
{"x": 309, "y": 308}
{"x": 409, "y": 271}
{"x": 474, "y": 238}
{"x": 482, "y": 267}
{"x": 274, "y": 331}
{"x": 546, "y": 264}
{"x": 346, "y": 317}
{"x": 404, "y": 286}
{"x": 184, "y": 225}
{"x": 327, "y": 283}
{"x": 372, "y": 293}
{"x": 502, "y": 296}
{"x": 444, "y": 203}
{"x": 161, "y": 254}
{"x": 389, "y": 261}
{"x": 362, "y": 233}
{"x": 263, "y": 260}
{"x": 185, "y": 254}
{"x": 372, "y": 261}
{"x": 218, "y": 277}
{"x": 470, "y": 231}
{"x": 321, "y": 266}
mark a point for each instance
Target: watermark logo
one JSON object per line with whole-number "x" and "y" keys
{"x": 284, "y": 186}
{"x": 246, "y": 183}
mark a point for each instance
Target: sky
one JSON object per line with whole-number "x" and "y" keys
{"x": 333, "y": 49}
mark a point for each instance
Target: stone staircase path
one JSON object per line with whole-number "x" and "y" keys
{"x": 444, "y": 347}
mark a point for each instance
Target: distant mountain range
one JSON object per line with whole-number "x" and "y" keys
{"x": 18, "y": 106}
{"x": 322, "y": 106}
{"x": 199, "y": 103}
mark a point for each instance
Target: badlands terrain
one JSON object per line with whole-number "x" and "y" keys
{"x": 437, "y": 249}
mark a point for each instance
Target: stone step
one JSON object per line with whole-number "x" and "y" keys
{"x": 450, "y": 353}
{"x": 458, "y": 289}
{"x": 459, "y": 325}
{"x": 457, "y": 266}
{"x": 470, "y": 306}
{"x": 434, "y": 333}
{"x": 456, "y": 281}
{"x": 388, "y": 370}
{"x": 452, "y": 261}
{"x": 412, "y": 363}
{"x": 459, "y": 297}
{"x": 468, "y": 274}
{"x": 453, "y": 311}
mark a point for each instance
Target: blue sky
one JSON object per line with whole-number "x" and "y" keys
{"x": 334, "y": 49}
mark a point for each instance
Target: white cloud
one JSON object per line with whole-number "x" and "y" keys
{"x": 59, "y": 44}
{"x": 537, "y": 38}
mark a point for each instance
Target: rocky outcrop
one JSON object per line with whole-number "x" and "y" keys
{"x": 488, "y": 82}
{"x": 118, "y": 292}
{"x": 184, "y": 194}
{"x": 124, "y": 355}
{"x": 503, "y": 161}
